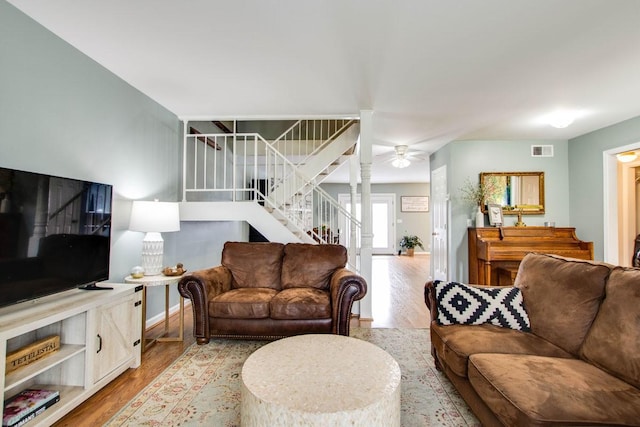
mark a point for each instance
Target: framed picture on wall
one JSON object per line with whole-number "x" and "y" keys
{"x": 414, "y": 203}
{"x": 495, "y": 215}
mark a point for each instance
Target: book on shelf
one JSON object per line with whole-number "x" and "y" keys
{"x": 26, "y": 405}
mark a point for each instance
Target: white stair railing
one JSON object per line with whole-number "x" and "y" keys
{"x": 244, "y": 166}
{"x": 305, "y": 138}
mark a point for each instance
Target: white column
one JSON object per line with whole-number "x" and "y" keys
{"x": 366, "y": 142}
{"x": 353, "y": 233}
{"x": 185, "y": 132}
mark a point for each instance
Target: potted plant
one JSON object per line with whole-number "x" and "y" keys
{"x": 409, "y": 243}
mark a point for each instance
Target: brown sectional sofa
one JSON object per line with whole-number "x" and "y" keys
{"x": 273, "y": 290}
{"x": 578, "y": 365}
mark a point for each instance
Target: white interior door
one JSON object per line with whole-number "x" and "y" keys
{"x": 383, "y": 216}
{"x": 439, "y": 218}
{"x": 611, "y": 208}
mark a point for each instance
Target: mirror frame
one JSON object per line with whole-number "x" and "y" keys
{"x": 505, "y": 211}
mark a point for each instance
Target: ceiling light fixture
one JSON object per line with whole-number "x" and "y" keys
{"x": 401, "y": 161}
{"x": 627, "y": 156}
{"x": 560, "y": 119}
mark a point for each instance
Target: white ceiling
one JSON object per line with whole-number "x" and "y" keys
{"x": 432, "y": 71}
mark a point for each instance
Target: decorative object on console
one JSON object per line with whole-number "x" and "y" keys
{"x": 26, "y": 405}
{"x": 154, "y": 218}
{"x": 479, "y": 217}
{"x": 137, "y": 272}
{"x": 32, "y": 352}
{"x": 495, "y": 215}
{"x": 178, "y": 270}
{"x": 519, "y": 222}
{"x": 477, "y": 196}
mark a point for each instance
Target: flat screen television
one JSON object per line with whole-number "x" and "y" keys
{"x": 55, "y": 234}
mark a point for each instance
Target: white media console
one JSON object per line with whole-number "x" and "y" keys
{"x": 99, "y": 339}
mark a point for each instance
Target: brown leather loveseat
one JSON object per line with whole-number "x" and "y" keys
{"x": 273, "y": 290}
{"x": 576, "y": 360}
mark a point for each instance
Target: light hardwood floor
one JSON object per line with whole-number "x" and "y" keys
{"x": 397, "y": 302}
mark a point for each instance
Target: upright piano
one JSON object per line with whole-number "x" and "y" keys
{"x": 495, "y": 252}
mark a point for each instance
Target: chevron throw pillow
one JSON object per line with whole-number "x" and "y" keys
{"x": 458, "y": 303}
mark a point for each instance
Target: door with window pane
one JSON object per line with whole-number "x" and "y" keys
{"x": 382, "y": 217}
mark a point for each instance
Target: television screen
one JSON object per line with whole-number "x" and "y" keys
{"x": 54, "y": 234}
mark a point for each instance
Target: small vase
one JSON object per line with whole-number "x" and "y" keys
{"x": 410, "y": 251}
{"x": 479, "y": 218}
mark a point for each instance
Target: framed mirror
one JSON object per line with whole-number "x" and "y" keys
{"x": 515, "y": 191}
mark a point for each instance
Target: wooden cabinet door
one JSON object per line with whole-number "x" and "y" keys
{"x": 115, "y": 334}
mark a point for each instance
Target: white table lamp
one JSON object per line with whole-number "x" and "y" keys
{"x": 154, "y": 218}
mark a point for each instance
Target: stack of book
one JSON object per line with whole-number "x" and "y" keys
{"x": 26, "y": 405}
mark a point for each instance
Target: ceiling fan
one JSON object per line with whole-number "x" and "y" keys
{"x": 402, "y": 156}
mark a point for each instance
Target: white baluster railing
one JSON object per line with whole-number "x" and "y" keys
{"x": 305, "y": 138}
{"x": 244, "y": 166}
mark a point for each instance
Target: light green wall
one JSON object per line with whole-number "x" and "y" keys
{"x": 467, "y": 159}
{"x": 586, "y": 178}
{"x": 412, "y": 223}
{"x": 63, "y": 114}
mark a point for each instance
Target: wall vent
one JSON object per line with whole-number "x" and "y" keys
{"x": 542, "y": 151}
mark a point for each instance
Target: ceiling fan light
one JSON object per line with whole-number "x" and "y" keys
{"x": 627, "y": 156}
{"x": 400, "y": 163}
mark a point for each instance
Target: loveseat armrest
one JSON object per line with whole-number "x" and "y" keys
{"x": 199, "y": 287}
{"x": 345, "y": 288}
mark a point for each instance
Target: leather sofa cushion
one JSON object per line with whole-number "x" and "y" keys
{"x": 561, "y": 296}
{"x": 534, "y": 391}
{"x": 301, "y": 303}
{"x": 254, "y": 265}
{"x": 311, "y": 266}
{"x": 243, "y": 303}
{"x": 613, "y": 342}
{"x": 455, "y": 343}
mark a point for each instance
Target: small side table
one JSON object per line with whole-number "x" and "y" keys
{"x": 159, "y": 280}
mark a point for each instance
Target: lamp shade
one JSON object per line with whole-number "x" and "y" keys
{"x": 154, "y": 216}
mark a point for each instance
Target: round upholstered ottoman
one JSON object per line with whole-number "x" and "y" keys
{"x": 320, "y": 380}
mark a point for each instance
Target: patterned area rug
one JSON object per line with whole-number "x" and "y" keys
{"x": 202, "y": 387}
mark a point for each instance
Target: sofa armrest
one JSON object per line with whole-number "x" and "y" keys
{"x": 345, "y": 288}
{"x": 199, "y": 287}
